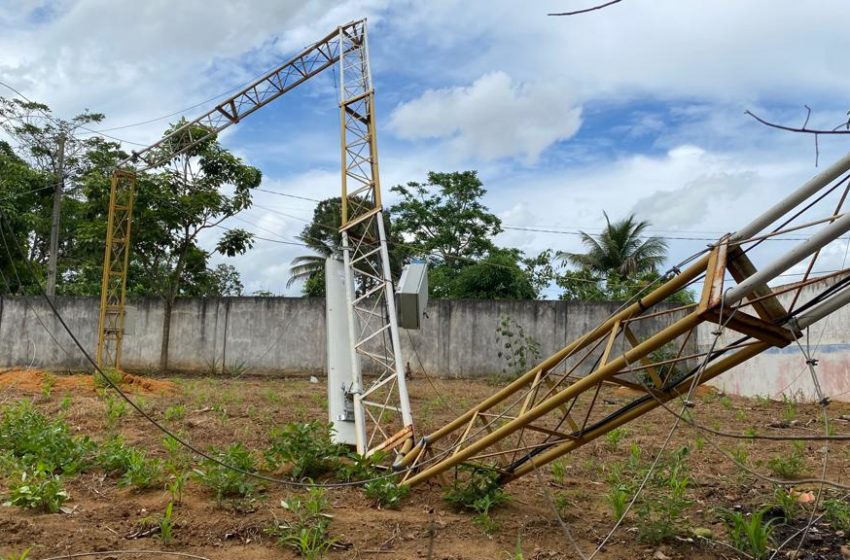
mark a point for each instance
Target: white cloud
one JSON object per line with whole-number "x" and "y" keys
{"x": 492, "y": 118}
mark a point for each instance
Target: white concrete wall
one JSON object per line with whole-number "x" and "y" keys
{"x": 458, "y": 339}
{"x": 779, "y": 371}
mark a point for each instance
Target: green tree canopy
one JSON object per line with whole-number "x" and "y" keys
{"x": 444, "y": 220}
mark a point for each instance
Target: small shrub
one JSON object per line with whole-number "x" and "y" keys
{"x": 479, "y": 492}
{"x": 34, "y": 439}
{"x": 114, "y": 455}
{"x": 141, "y": 471}
{"x": 307, "y": 533}
{"x": 115, "y": 410}
{"x": 112, "y": 374}
{"x": 837, "y": 512}
{"x": 175, "y": 412}
{"x": 38, "y": 489}
{"x": 48, "y": 381}
{"x": 791, "y": 465}
{"x": 226, "y": 482}
{"x": 353, "y": 466}
{"x": 305, "y": 448}
{"x": 785, "y": 501}
{"x": 753, "y": 536}
{"x": 386, "y": 493}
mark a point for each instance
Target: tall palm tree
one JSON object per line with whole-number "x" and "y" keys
{"x": 621, "y": 248}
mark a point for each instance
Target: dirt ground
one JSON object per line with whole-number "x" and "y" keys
{"x": 101, "y": 516}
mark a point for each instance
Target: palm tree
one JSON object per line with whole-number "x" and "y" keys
{"x": 305, "y": 267}
{"x": 621, "y": 248}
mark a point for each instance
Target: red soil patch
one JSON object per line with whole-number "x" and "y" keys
{"x": 33, "y": 381}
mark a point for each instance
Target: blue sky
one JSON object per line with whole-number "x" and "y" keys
{"x": 636, "y": 108}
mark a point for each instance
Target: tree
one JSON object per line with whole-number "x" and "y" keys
{"x": 323, "y": 238}
{"x": 444, "y": 220}
{"x": 24, "y": 199}
{"x": 619, "y": 248}
{"x": 618, "y": 266}
{"x": 496, "y": 276}
{"x": 174, "y": 206}
{"x": 51, "y": 145}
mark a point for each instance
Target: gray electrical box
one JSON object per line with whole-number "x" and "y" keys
{"x": 412, "y": 295}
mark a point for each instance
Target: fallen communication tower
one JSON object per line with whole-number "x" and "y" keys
{"x": 552, "y": 409}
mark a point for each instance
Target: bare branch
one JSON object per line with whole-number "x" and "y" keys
{"x": 802, "y": 129}
{"x": 584, "y": 11}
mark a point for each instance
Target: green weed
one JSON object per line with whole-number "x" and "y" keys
{"x": 225, "y": 482}
{"x": 614, "y": 437}
{"x": 789, "y": 466}
{"x": 38, "y": 489}
{"x": 166, "y": 525}
{"x": 305, "y": 448}
{"x": 837, "y": 512}
{"x": 175, "y": 412}
{"x": 307, "y": 532}
{"x": 753, "y": 536}
{"x": 386, "y": 493}
{"x": 559, "y": 471}
{"x": 34, "y": 439}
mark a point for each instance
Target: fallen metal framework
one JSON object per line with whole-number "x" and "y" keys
{"x": 646, "y": 347}
{"x": 382, "y": 410}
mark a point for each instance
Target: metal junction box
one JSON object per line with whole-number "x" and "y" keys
{"x": 412, "y": 295}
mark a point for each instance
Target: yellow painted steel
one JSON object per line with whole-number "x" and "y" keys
{"x": 116, "y": 261}
{"x": 709, "y": 373}
{"x": 659, "y": 294}
{"x": 613, "y": 367}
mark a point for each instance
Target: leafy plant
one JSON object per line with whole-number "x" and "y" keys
{"x": 837, "y": 512}
{"x": 791, "y": 465}
{"x": 659, "y": 517}
{"x": 305, "y": 448}
{"x": 175, "y": 412}
{"x": 386, "y": 493}
{"x": 753, "y": 536}
{"x": 38, "y": 489}
{"x": 307, "y": 532}
{"x": 112, "y": 374}
{"x": 479, "y": 491}
{"x": 354, "y": 467}
{"x": 176, "y": 485}
{"x": 227, "y": 482}
{"x": 785, "y": 501}
{"x": 618, "y": 499}
{"x": 166, "y": 525}
{"x": 115, "y": 410}
{"x": 614, "y": 437}
{"x": 518, "y": 350}
{"x": 48, "y": 381}
{"x": 34, "y": 439}
{"x": 141, "y": 471}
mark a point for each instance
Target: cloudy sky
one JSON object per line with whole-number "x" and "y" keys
{"x": 635, "y": 108}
